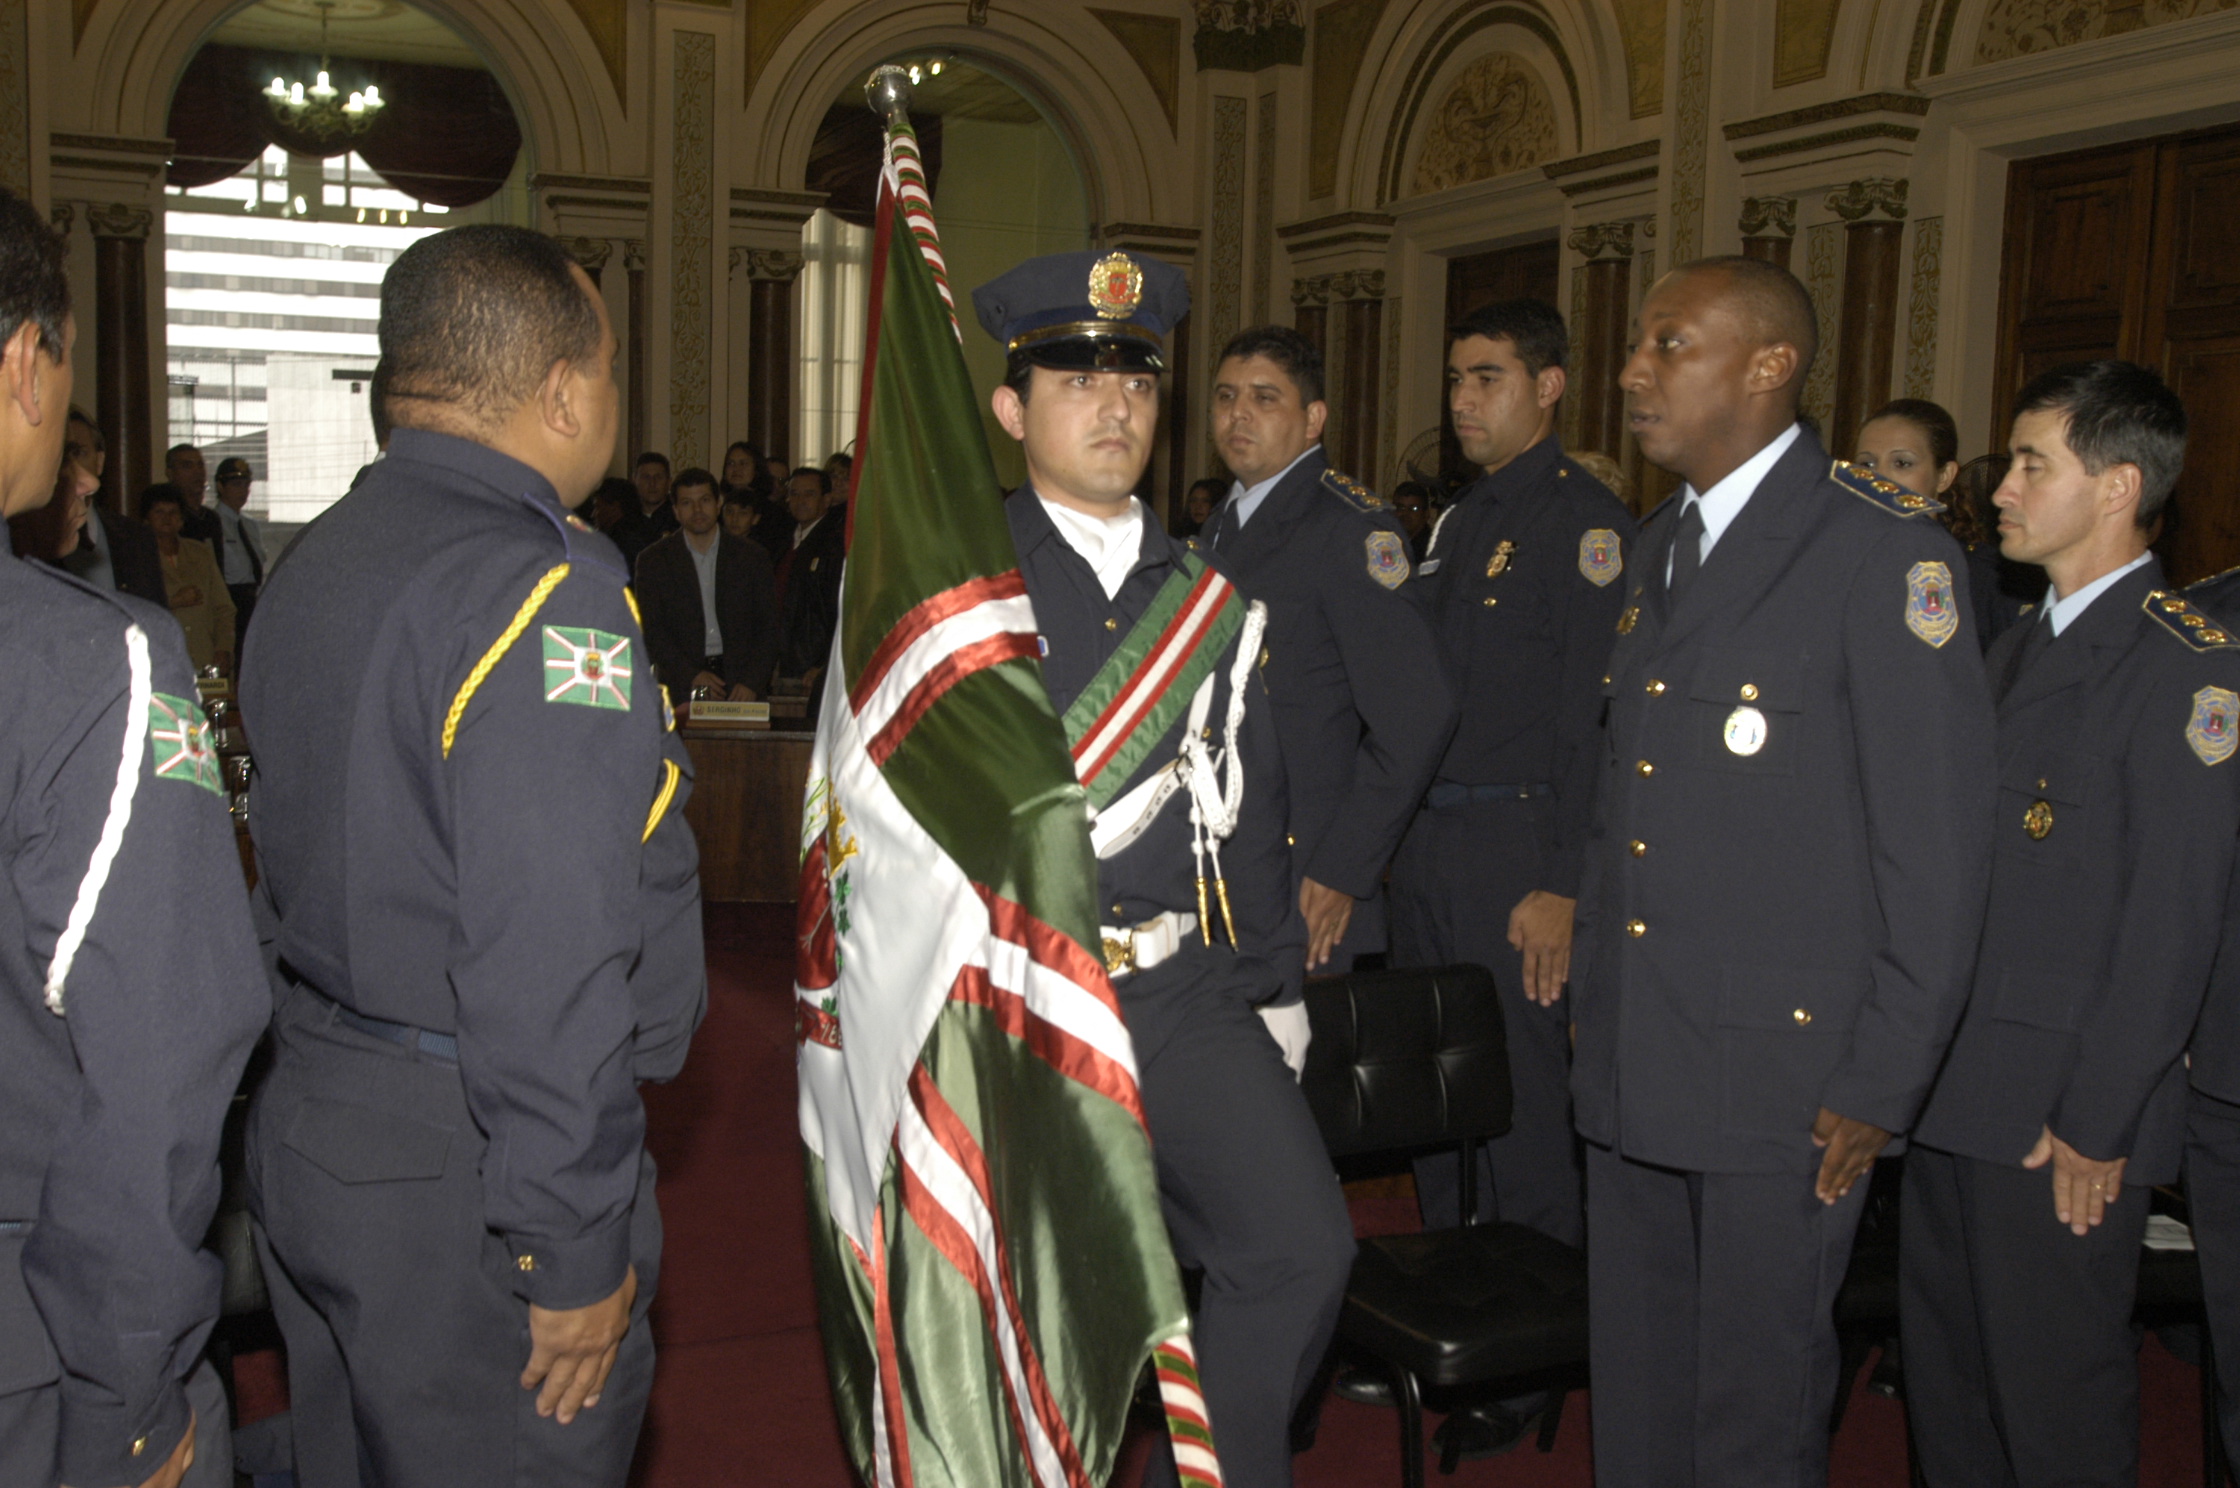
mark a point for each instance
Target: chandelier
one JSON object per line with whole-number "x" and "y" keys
{"x": 321, "y": 110}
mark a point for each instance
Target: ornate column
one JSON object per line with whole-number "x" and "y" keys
{"x": 634, "y": 354}
{"x": 1604, "y": 300}
{"x": 770, "y": 276}
{"x": 122, "y": 371}
{"x": 1769, "y": 226}
{"x": 1355, "y": 399}
{"x": 1874, "y": 215}
{"x": 590, "y": 253}
{"x": 1310, "y": 309}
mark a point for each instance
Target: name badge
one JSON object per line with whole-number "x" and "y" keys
{"x": 1745, "y": 731}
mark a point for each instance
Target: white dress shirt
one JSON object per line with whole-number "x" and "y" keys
{"x": 1724, "y": 502}
{"x": 2062, "y": 613}
{"x": 237, "y": 534}
{"x": 1246, "y": 499}
{"x": 1111, "y": 544}
{"x": 704, "y": 567}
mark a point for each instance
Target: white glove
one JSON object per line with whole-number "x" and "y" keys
{"x": 1288, "y": 1027}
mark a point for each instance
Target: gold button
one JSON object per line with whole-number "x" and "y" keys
{"x": 1636, "y": 929}
{"x": 1638, "y": 848}
{"x": 1491, "y": 601}
{"x": 526, "y": 1263}
{"x": 2041, "y": 784}
{"x": 1802, "y": 1017}
{"x": 1749, "y": 692}
{"x": 1656, "y": 688}
{"x": 1646, "y": 768}
{"x": 139, "y": 1445}
{"x": 1111, "y": 624}
{"x": 1290, "y": 840}
{"x": 1606, "y": 681}
{"x": 1117, "y": 911}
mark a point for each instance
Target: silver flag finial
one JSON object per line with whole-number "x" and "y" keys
{"x": 888, "y": 93}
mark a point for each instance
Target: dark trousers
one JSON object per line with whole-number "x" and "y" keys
{"x": 31, "y": 1421}
{"x": 1249, "y": 1196}
{"x": 244, "y": 605}
{"x": 405, "y": 1338}
{"x": 1457, "y": 875}
{"x": 2021, "y": 1367}
{"x": 2213, "y": 1196}
{"x": 1711, "y": 1332}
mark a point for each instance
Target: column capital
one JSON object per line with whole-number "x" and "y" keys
{"x": 1312, "y": 290}
{"x": 590, "y": 253}
{"x": 634, "y": 255}
{"x": 118, "y": 220}
{"x": 1603, "y": 242}
{"x": 1769, "y": 217}
{"x": 773, "y": 263}
{"x": 1873, "y": 198}
{"x": 1357, "y": 284}
{"x": 62, "y": 216}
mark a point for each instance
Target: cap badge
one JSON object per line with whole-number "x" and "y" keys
{"x": 1115, "y": 286}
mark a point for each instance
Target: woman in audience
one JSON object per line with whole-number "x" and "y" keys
{"x": 1915, "y": 443}
{"x": 199, "y": 601}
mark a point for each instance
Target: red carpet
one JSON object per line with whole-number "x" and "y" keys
{"x": 741, "y": 1394}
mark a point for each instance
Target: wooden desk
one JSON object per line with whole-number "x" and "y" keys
{"x": 746, "y": 812}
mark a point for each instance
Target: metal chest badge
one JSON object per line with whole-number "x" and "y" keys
{"x": 1498, "y": 564}
{"x": 2037, "y": 821}
{"x": 1115, "y": 286}
{"x": 2214, "y": 730}
{"x": 1388, "y": 559}
{"x": 1601, "y": 559}
{"x": 1930, "y": 611}
{"x": 1745, "y": 732}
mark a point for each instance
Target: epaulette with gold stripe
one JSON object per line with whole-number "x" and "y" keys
{"x": 2187, "y": 623}
{"x": 1352, "y": 492}
{"x": 1887, "y": 494}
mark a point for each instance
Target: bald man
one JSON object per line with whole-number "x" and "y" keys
{"x": 1771, "y": 953}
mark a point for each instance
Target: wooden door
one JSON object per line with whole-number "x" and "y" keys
{"x": 2127, "y": 252}
{"x": 1526, "y": 272}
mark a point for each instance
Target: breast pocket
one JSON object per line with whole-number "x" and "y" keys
{"x": 1746, "y": 710}
{"x": 2044, "y": 807}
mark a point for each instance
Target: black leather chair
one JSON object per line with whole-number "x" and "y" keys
{"x": 1416, "y": 1059}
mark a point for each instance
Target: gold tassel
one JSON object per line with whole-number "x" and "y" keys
{"x": 1221, "y": 887}
{"x": 1205, "y": 920}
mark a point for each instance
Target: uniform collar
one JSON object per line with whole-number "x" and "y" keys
{"x": 501, "y": 473}
{"x": 1248, "y": 499}
{"x": 2065, "y": 612}
{"x": 1522, "y": 474}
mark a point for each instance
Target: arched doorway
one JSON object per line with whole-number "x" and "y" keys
{"x": 1006, "y": 187}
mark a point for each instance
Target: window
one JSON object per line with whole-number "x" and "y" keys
{"x": 830, "y": 303}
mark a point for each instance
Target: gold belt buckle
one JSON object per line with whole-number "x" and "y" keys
{"x": 1120, "y": 955}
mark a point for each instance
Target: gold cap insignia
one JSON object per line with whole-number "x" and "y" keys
{"x": 1115, "y": 286}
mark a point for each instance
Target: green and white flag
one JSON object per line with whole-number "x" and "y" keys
{"x": 992, "y": 1268}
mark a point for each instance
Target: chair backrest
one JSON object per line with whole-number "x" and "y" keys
{"x": 1406, "y": 1059}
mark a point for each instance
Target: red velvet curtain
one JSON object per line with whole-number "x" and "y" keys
{"x": 446, "y": 135}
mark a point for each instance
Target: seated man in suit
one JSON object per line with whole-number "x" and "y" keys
{"x": 809, "y": 579}
{"x": 711, "y": 616}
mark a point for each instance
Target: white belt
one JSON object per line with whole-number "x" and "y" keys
{"x": 1139, "y": 949}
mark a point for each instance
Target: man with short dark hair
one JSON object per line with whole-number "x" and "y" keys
{"x": 113, "y": 551}
{"x": 711, "y": 617}
{"x": 184, "y": 467}
{"x": 130, "y": 987}
{"x": 1244, "y": 1178}
{"x": 1361, "y": 705}
{"x": 469, "y": 823}
{"x": 808, "y": 580}
{"x": 649, "y": 518}
{"x": 1774, "y": 932}
{"x": 240, "y": 546}
{"x": 2119, "y": 706}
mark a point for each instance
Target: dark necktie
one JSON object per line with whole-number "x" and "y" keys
{"x": 1225, "y": 526}
{"x": 1687, "y": 551}
{"x": 2033, "y": 646}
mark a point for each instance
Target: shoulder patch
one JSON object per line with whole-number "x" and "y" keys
{"x": 1352, "y": 492}
{"x": 2185, "y": 622}
{"x": 179, "y": 741}
{"x": 1601, "y": 557}
{"x": 2214, "y": 730}
{"x": 590, "y": 667}
{"x": 1388, "y": 559}
{"x": 1931, "y": 612}
{"x": 1887, "y": 494}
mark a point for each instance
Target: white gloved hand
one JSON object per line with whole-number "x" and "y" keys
{"x": 1288, "y": 1026}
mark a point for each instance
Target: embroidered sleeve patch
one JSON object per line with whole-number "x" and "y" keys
{"x": 180, "y": 739}
{"x": 590, "y": 667}
{"x": 1601, "y": 558}
{"x": 1388, "y": 559}
{"x": 2214, "y": 730}
{"x": 1931, "y": 613}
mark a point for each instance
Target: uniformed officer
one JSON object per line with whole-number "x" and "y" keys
{"x": 2212, "y": 1156}
{"x": 1524, "y": 580}
{"x": 1772, "y": 953}
{"x": 133, "y": 988}
{"x": 1362, "y": 706}
{"x": 1194, "y": 873}
{"x": 468, "y": 814}
{"x": 2116, "y": 816}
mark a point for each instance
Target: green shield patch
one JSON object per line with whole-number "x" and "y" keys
{"x": 590, "y": 667}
